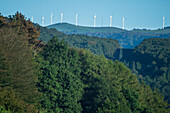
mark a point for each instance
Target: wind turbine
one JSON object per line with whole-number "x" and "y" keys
{"x": 110, "y": 21}
{"x": 32, "y": 18}
{"x": 61, "y": 18}
{"x": 51, "y": 18}
{"x": 163, "y": 22}
{"x": 123, "y": 23}
{"x": 43, "y": 21}
{"x": 102, "y": 23}
{"x": 76, "y": 19}
{"x": 94, "y": 20}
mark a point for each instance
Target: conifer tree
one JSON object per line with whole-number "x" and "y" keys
{"x": 19, "y": 70}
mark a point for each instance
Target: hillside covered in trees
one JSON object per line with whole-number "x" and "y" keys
{"x": 151, "y": 60}
{"x": 54, "y": 78}
{"x": 127, "y": 39}
{"x": 96, "y": 45}
{"x": 103, "y": 85}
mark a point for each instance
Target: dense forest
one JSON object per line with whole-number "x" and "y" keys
{"x": 150, "y": 61}
{"x": 127, "y": 39}
{"x": 96, "y": 45}
{"x": 54, "y": 78}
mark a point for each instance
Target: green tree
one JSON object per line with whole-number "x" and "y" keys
{"x": 9, "y": 103}
{"x": 3, "y": 110}
{"x": 17, "y": 65}
{"x": 4, "y": 71}
{"x": 59, "y": 81}
{"x": 132, "y": 98}
{"x": 110, "y": 87}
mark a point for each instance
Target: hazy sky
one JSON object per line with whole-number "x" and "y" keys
{"x": 138, "y": 13}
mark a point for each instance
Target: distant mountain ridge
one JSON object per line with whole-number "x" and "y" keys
{"x": 126, "y": 38}
{"x": 97, "y": 45}
{"x": 66, "y": 27}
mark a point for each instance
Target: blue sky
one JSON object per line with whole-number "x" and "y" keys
{"x": 138, "y": 13}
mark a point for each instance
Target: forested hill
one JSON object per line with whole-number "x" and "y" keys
{"x": 72, "y": 29}
{"x": 127, "y": 39}
{"x": 94, "y": 44}
{"x": 151, "y": 60}
{"x": 54, "y": 78}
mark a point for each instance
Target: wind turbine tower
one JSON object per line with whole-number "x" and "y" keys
{"x": 163, "y": 22}
{"x": 32, "y": 18}
{"x": 123, "y": 23}
{"x": 110, "y": 21}
{"x": 43, "y": 21}
{"x": 94, "y": 20}
{"x": 61, "y": 18}
{"x": 51, "y": 18}
{"x": 76, "y": 19}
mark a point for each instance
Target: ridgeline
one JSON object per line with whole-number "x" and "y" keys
{"x": 127, "y": 39}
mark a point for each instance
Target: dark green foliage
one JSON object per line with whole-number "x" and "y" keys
{"x": 4, "y": 73}
{"x": 94, "y": 44}
{"x": 152, "y": 54}
{"x": 127, "y": 39}
{"x": 19, "y": 59}
{"x": 100, "y": 95}
{"x": 59, "y": 81}
{"x": 109, "y": 87}
{"x": 132, "y": 98}
{"x": 158, "y": 48}
{"x": 151, "y": 60}
{"x": 153, "y": 101}
{"x": 9, "y": 103}
{"x": 3, "y": 110}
